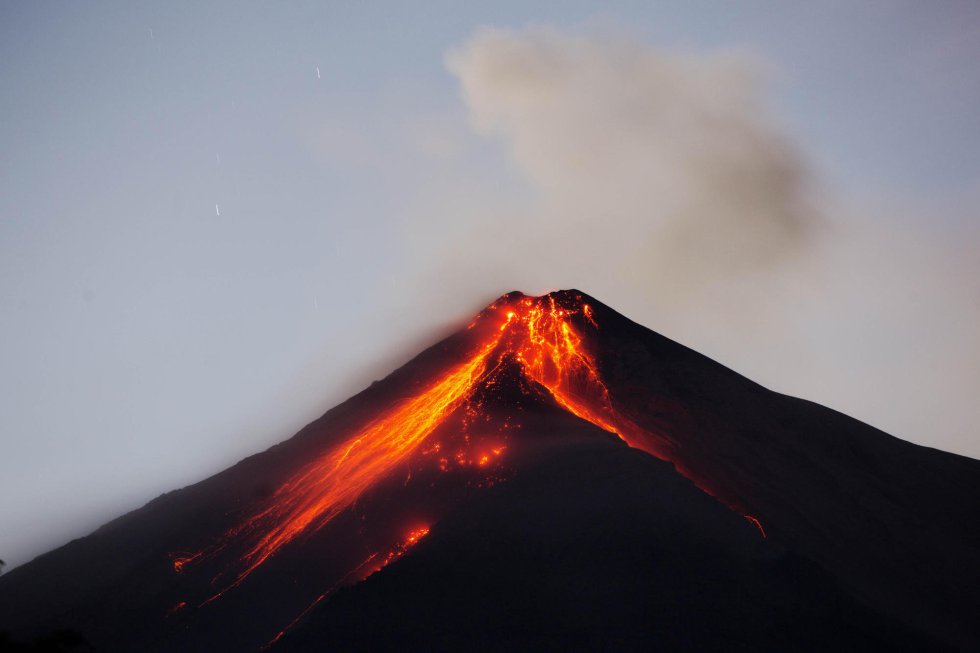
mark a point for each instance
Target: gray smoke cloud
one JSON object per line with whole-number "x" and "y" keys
{"x": 663, "y": 158}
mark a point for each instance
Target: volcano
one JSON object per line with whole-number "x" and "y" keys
{"x": 552, "y": 477}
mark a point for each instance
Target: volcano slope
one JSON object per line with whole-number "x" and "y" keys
{"x": 554, "y": 476}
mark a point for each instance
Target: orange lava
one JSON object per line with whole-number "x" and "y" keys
{"x": 551, "y": 353}
{"x": 411, "y": 540}
{"x": 331, "y": 483}
{"x": 181, "y": 560}
{"x": 538, "y": 333}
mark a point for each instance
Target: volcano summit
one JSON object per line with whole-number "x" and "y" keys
{"x": 552, "y": 477}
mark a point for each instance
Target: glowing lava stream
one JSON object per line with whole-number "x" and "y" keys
{"x": 536, "y": 332}
{"x": 552, "y": 354}
{"x": 330, "y": 484}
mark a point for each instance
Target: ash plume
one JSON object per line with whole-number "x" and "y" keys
{"x": 662, "y": 169}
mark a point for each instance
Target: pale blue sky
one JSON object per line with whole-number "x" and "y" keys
{"x": 146, "y": 341}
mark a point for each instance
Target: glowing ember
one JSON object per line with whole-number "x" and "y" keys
{"x": 181, "y": 560}
{"x": 410, "y": 540}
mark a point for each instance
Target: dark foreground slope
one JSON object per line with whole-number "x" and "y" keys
{"x": 546, "y": 530}
{"x": 600, "y": 547}
{"x": 896, "y": 523}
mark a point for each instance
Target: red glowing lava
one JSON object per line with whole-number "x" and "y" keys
{"x": 551, "y": 352}
{"x": 399, "y": 550}
{"x": 755, "y": 522}
{"x": 331, "y": 483}
{"x": 539, "y": 334}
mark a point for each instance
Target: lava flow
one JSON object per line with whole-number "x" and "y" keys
{"x": 331, "y": 483}
{"x": 539, "y": 334}
{"x": 551, "y": 353}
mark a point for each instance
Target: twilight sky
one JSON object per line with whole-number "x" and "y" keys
{"x": 217, "y": 222}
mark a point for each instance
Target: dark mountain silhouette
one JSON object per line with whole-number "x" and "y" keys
{"x": 552, "y": 477}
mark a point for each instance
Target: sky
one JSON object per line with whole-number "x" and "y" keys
{"x": 218, "y": 220}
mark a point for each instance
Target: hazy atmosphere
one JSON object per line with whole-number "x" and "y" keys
{"x": 218, "y": 221}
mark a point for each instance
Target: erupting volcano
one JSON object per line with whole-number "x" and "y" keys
{"x": 553, "y": 476}
{"x": 539, "y": 336}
